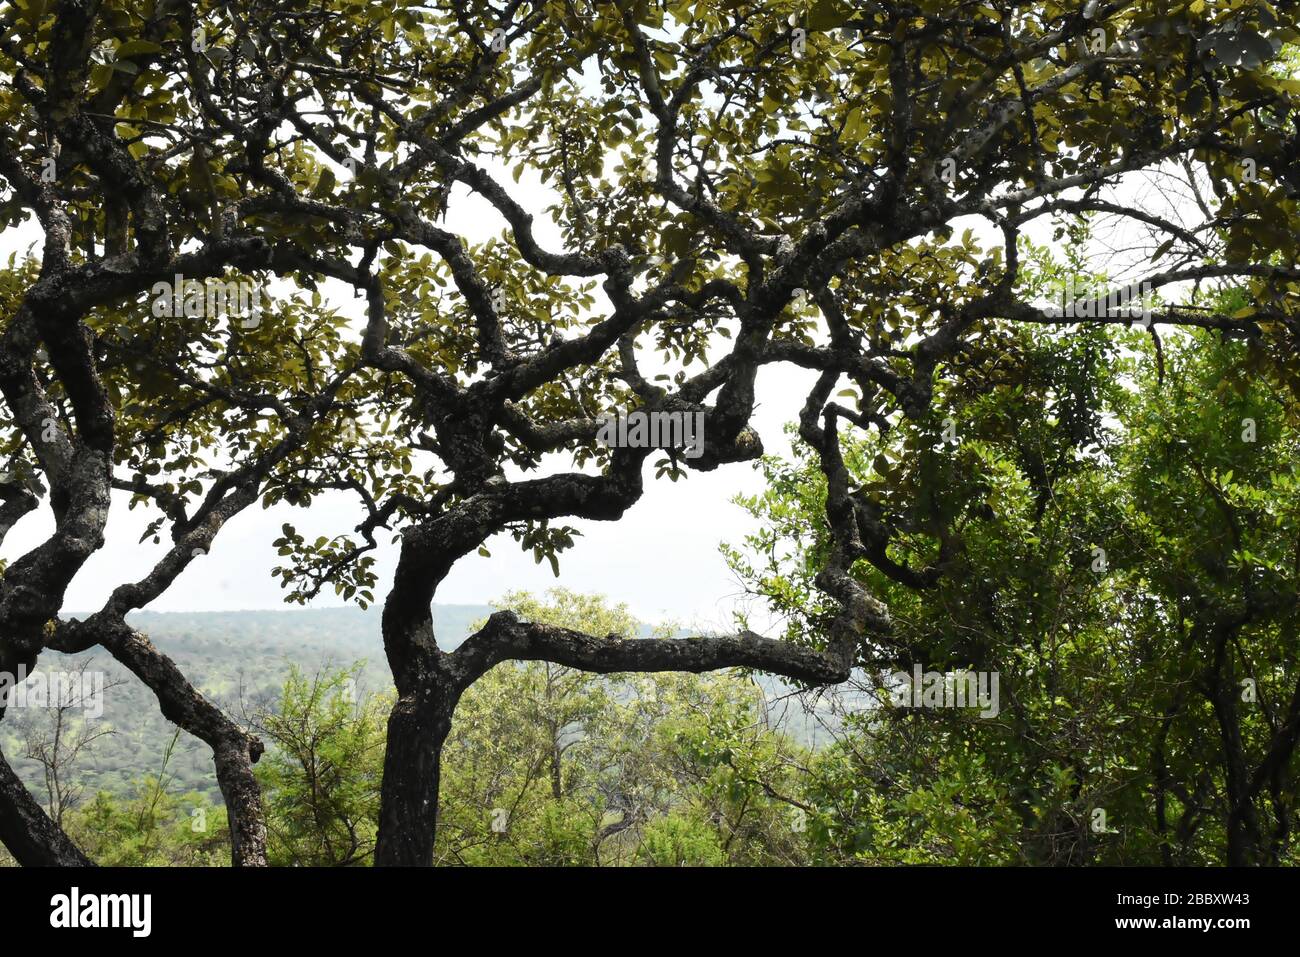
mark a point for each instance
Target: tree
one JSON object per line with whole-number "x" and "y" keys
{"x": 322, "y": 774}
{"x": 554, "y": 766}
{"x": 1130, "y": 576}
{"x": 546, "y": 765}
{"x": 734, "y": 186}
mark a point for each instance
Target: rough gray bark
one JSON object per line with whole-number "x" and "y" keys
{"x": 417, "y": 728}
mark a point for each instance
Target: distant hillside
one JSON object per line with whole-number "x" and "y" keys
{"x": 240, "y": 661}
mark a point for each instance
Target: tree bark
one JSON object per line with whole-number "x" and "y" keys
{"x": 421, "y": 718}
{"x": 417, "y": 729}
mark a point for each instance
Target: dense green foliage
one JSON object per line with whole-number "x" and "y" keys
{"x": 547, "y": 765}
{"x": 1117, "y": 531}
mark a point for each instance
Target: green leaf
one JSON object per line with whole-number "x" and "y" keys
{"x": 137, "y": 47}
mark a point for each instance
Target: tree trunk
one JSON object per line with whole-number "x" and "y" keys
{"x": 1243, "y": 832}
{"x": 557, "y": 772}
{"x": 408, "y": 814}
{"x": 244, "y": 812}
{"x": 427, "y": 694}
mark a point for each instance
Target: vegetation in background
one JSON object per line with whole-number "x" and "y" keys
{"x": 1117, "y": 534}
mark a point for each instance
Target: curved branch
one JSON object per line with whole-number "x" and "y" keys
{"x": 506, "y": 638}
